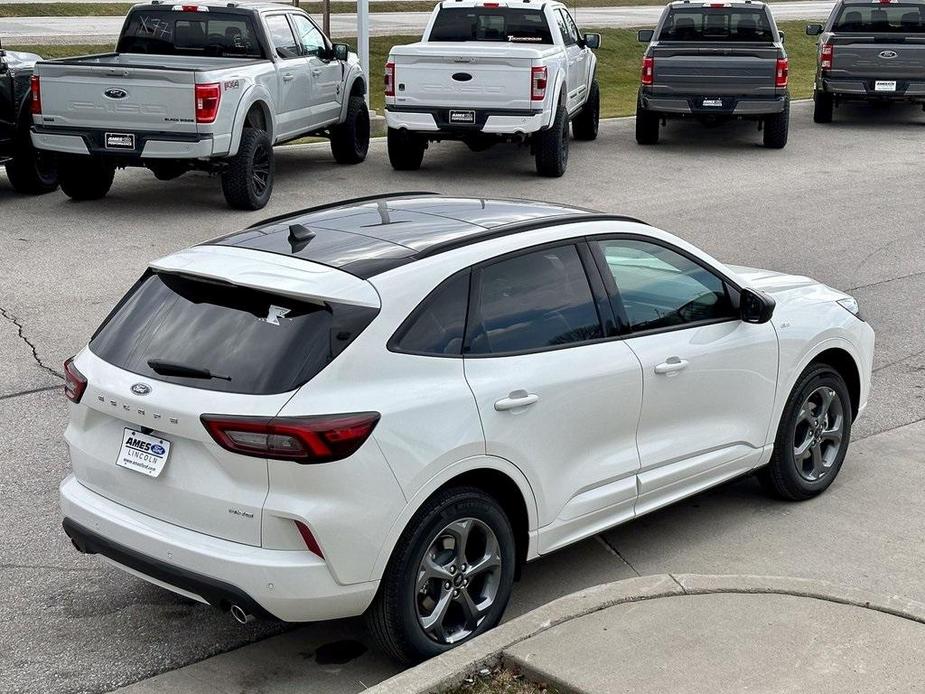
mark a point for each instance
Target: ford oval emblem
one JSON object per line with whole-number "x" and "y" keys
{"x": 141, "y": 389}
{"x": 462, "y": 76}
{"x": 115, "y": 93}
{"x": 889, "y": 55}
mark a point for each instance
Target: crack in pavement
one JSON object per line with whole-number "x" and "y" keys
{"x": 887, "y": 281}
{"x": 22, "y": 336}
{"x": 613, "y": 550}
{"x": 31, "y": 391}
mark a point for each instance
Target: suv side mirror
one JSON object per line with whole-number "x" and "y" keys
{"x": 813, "y": 29}
{"x": 592, "y": 41}
{"x": 755, "y": 307}
{"x": 340, "y": 51}
{"x": 645, "y": 35}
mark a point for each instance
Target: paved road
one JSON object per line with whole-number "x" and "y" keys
{"x": 101, "y": 29}
{"x": 836, "y": 204}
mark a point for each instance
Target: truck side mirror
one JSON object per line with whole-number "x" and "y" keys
{"x": 781, "y": 35}
{"x": 592, "y": 41}
{"x": 340, "y": 51}
{"x": 813, "y": 29}
{"x": 645, "y": 35}
{"x": 755, "y": 307}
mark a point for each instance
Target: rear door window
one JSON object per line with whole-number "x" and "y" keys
{"x": 507, "y": 24}
{"x": 214, "y": 34}
{"x": 717, "y": 24}
{"x": 881, "y": 19}
{"x": 251, "y": 341}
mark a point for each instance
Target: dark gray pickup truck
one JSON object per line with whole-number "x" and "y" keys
{"x": 870, "y": 51}
{"x": 715, "y": 61}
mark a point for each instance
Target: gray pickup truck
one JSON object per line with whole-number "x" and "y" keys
{"x": 870, "y": 51}
{"x": 715, "y": 61}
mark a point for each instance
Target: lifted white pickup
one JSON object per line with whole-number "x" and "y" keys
{"x": 486, "y": 72}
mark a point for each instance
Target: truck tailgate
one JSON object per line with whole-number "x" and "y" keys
{"x": 880, "y": 58}
{"x": 463, "y": 74}
{"x": 76, "y": 94}
{"x": 715, "y": 70}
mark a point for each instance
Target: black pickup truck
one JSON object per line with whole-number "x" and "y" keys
{"x": 870, "y": 51}
{"x": 29, "y": 171}
{"x": 715, "y": 61}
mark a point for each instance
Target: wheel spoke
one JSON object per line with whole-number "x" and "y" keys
{"x": 800, "y": 451}
{"x": 828, "y": 395}
{"x": 834, "y": 435}
{"x": 806, "y": 413}
{"x": 431, "y": 570}
{"x": 472, "y": 613}
{"x": 490, "y": 560}
{"x": 460, "y": 531}
{"x": 818, "y": 463}
{"x": 433, "y": 623}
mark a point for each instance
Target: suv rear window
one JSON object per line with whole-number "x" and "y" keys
{"x": 491, "y": 24}
{"x": 904, "y": 19}
{"x": 252, "y": 341}
{"x": 718, "y": 24}
{"x": 215, "y": 34}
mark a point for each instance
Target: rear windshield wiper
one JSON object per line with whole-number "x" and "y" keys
{"x": 172, "y": 368}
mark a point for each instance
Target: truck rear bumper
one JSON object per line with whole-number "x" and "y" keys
{"x": 731, "y": 106}
{"x": 906, "y": 90}
{"x": 438, "y": 120}
{"x": 148, "y": 145}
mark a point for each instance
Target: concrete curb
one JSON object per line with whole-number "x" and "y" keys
{"x": 452, "y": 667}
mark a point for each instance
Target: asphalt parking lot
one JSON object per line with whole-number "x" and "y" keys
{"x": 842, "y": 203}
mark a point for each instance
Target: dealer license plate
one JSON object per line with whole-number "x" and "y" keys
{"x": 715, "y": 103}
{"x": 143, "y": 453}
{"x": 885, "y": 86}
{"x": 120, "y": 141}
{"x": 462, "y": 116}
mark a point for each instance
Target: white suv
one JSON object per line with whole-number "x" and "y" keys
{"x": 387, "y": 405}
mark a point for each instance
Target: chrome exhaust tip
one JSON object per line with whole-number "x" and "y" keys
{"x": 241, "y": 615}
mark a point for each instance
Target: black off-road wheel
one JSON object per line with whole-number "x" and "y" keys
{"x": 777, "y": 128}
{"x": 812, "y": 437}
{"x": 350, "y": 139}
{"x": 647, "y": 126}
{"x": 449, "y": 578}
{"x": 248, "y": 181}
{"x": 823, "y": 107}
{"x": 406, "y": 149}
{"x": 85, "y": 178}
{"x": 31, "y": 171}
{"x": 551, "y": 148}
{"x": 585, "y": 124}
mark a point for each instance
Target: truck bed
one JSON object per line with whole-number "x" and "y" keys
{"x": 714, "y": 69}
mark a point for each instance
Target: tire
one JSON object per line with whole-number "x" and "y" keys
{"x": 777, "y": 128}
{"x": 552, "y": 146}
{"x": 85, "y": 178}
{"x": 248, "y": 181}
{"x": 350, "y": 139}
{"x": 798, "y": 477}
{"x": 647, "y": 126}
{"x": 585, "y": 124}
{"x": 406, "y": 149}
{"x": 30, "y": 171}
{"x": 823, "y": 107}
{"x": 396, "y": 616}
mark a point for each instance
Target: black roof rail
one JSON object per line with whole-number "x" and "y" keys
{"x": 519, "y": 227}
{"x": 339, "y": 203}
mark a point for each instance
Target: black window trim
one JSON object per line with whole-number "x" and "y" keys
{"x": 328, "y": 45}
{"x": 393, "y": 343}
{"x": 295, "y": 39}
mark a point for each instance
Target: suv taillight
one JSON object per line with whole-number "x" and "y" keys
{"x": 782, "y": 77}
{"x": 538, "y": 81}
{"x": 828, "y": 56}
{"x": 648, "y": 71}
{"x": 390, "y": 79}
{"x": 317, "y": 439}
{"x": 75, "y": 383}
{"x": 36, "y": 89}
{"x": 208, "y": 97}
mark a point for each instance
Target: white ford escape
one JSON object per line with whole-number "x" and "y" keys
{"x": 386, "y": 405}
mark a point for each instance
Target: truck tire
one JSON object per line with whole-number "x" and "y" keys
{"x": 31, "y": 172}
{"x": 552, "y": 146}
{"x": 350, "y": 139}
{"x": 248, "y": 181}
{"x": 823, "y": 107}
{"x": 406, "y": 149}
{"x": 647, "y": 126}
{"x": 777, "y": 128}
{"x": 85, "y": 178}
{"x": 585, "y": 124}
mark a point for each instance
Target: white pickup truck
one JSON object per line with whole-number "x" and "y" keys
{"x": 210, "y": 87}
{"x": 486, "y": 72}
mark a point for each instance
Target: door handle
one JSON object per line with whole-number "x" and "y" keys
{"x": 288, "y": 77}
{"x": 316, "y": 71}
{"x": 671, "y": 365}
{"x": 517, "y": 398}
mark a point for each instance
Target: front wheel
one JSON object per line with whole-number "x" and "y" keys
{"x": 248, "y": 181}
{"x": 777, "y": 128}
{"x": 552, "y": 146}
{"x": 823, "y": 107}
{"x": 586, "y": 123}
{"x": 350, "y": 139}
{"x": 449, "y": 578}
{"x": 85, "y": 178}
{"x": 812, "y": 437}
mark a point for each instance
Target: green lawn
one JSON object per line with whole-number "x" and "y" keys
{"x": 618, "y": 64}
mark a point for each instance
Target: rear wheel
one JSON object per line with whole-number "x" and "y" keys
{"x": 350, "y": 139}
{"x": 647, "y": 126}
{"x": 552, "y": 146}
{"x": 777, "y": 128}
{"x": 406, "y": 149}
{"x": 248, "y": 181}
{"x": 31, "y": 171}
{"x": 823, "y": 107}
{"x": 85, "y": 178}
{"x": 449, "y": 578}
{"x": 586, "y": 123}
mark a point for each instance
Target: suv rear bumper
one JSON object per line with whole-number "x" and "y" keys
{"x": 148, "y": 145}
{"x": 732, "y": 105}
{"x": 486, "y": 121}
{"x": 906, "y": 90}
{"x": 291, "y": 585}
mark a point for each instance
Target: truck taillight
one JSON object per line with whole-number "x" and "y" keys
{"x": 828, "y": 56}
{"x": 75, "y": 383}
{"x": 648, "y": 71}
{"x": 390, "y": 79}
{"x": 782, "y": 76}
{"x": 36, "y": 89}
{"x": 538, "y": 81}
{"x": 208, "y": 97}
{"x": 317, "y": 439}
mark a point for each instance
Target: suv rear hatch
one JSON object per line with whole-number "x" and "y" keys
{"x": 146, "y": 378}
{"x": 879, "y": 42}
